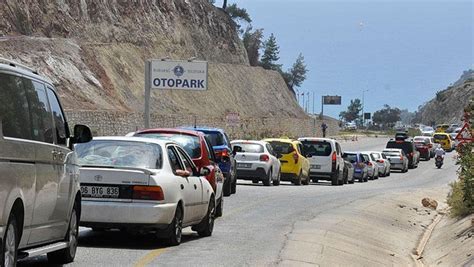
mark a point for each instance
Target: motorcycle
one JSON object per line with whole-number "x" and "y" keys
{"x": 439, "y": 162}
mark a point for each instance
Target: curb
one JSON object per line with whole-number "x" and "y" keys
{"x": 418, "y": 253}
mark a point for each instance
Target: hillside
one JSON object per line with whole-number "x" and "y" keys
{"x": 94, "y": 52}
{"x": 448, "y": 105}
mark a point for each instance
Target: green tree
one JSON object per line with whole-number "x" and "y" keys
{"x": 238, "y": 15}
{"x": 271, "y": 54}
{"x": 387, "y": 117}
{"x": 352, "y": 112}
{"x": 297, "y": 73}
{"x": 253, "y": 42}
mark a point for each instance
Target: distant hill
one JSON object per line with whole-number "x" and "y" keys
{"x": 448, "y": 104}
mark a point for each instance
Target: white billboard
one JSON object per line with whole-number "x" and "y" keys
{"x": 178, "y": 75}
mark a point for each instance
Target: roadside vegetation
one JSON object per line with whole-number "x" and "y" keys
{"x": 461, "y": 197}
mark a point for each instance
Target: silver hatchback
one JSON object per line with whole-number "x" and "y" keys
{"x": 40, "y": 200}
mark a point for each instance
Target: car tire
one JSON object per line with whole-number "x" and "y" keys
{"x": 220, "y": 208}
{"x": 346, "y": 177}
{"x": 10, "y": 243}
{"x": 335, "y": 178}
{"x": 298, "y": 179}
{"x": 233, "y": 189}
{"x": 68, "y": 254}
{"x": 227, "y": 186}
{"x": 175, "y": 229}
{"x": 306, "y": 180}
{"x": 277, "y": 181}
{"x": 206, "y": 226}
{"x": 366, "y": 178}
{"x": 268, "y": 179}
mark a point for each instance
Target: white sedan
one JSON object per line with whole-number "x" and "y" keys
{"x": 143, "y": 185}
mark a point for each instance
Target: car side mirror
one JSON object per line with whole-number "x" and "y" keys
{"x": 82, "y": 134}
{"x": 204, "y": 171}
{"x": 183, "y": 173}
{"x": 236, "y": 149}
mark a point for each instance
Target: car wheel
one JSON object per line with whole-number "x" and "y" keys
{"x": 176, "y": 228}
{"x": 306, "y": 180}
{"x": 206, "y": 226}
{"x": 298, "y": 179}
{"x": 335, "y": 178}
{"x": 9, "y": 251}
{"x": 68, "y": 254}
{"x": 227, "y": 186}
{"x": 366, "y": 178}
{"x": 233, "y": 189}
{"x": 220, "y": 208}
{"x": 277, "y": 181}
{"x": 268, "y": 180}
{"x": 346, "y": 176}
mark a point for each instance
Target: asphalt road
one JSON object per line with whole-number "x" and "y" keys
{"x": 255, "y": 222}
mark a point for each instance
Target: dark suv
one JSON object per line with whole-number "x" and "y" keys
{"x": 224, "y": 155}
{"x": 408, "y": 146}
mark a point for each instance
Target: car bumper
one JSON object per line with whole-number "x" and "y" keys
{"x": 358, "y": 174}
{"x": 249, "y": 174}
{"x": 126, "y": 213}
{"x": 396, "y": 166}
{"x": 314, "y": 174}
{"x": 288, "y": 177}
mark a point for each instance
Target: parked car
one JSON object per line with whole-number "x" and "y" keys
{"x": 408, "y": 147}
{"x": 424, "y": 146}
{"x": 441, "y": 128}
{"x": 40, "y": 200}
{"x": 401, "y": 135}
{"x": 373, "y": 168}
{"x": 144, "y": 185}
{"x": 398, "y": 159}
{"x": 427, "y": 131}
{"x": 382, "y": 162}
{"x": 224, "y": 156}
{"x": 452, "y": 128}
{"x": 199, "y": 147}
{"x": 325, "y": 159}
{"x": 351, "y": 126}
{"x": 444, "y": 139}
{"x": 294, "y": 165}
{"x": 348, "y": 172}
{"x": 360, "y": 167}
{"x": 257, "y": 161}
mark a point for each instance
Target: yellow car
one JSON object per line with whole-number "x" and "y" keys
{"x": 441, "y": 128}
{"x": 444, "y": 140}
{"x": 294, "y": 164}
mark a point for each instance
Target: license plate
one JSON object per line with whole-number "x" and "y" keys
{"x": 315, "y": 166}
{"x": 244, "y": 165}
{"x": 100, "y": 191}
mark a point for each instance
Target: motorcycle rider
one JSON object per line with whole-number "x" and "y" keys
{"x": 439, "y": 152}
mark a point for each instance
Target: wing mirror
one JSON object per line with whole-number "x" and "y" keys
{"x": 236, "y": 149}
{"x": 204, "y": 171}
{"x": 82, "y": 134}
{"x": 183, "y": 173}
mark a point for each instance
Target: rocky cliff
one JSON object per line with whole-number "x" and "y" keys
{"x": 448, "y": 104}
{"x": 94, "y": 52}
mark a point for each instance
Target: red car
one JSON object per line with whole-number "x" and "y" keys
{"x": 199, "y": 147}
{"x": 424, "y": 146}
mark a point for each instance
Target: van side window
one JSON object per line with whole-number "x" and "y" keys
{"x": 58, "y": 116}
{"x": 338, "y": 149}
{"x": 41, "y": 117}
{"x": 14, "y": 111}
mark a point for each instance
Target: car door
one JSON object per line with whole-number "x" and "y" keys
{"x": 304, "y": 161}
{"x": 274, "y": 160}
{"x": 46, "y": 224}
{"x": 198, "y": 204}
{"x": 340, "y": 160}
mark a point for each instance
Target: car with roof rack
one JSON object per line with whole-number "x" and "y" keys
{"x": 40, "y": 199}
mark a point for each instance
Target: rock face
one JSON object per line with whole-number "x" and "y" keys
{"x": 448, "y": 105}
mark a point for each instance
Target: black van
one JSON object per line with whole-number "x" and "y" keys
{"x": 408, "y": 146}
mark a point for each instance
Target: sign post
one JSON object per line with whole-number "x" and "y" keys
{"x": 173, "y": 75}
{"x": 329, "y": 100}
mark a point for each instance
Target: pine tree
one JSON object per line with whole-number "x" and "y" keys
{"x": 271, "y": 54}
{"x": 298, "y": 72}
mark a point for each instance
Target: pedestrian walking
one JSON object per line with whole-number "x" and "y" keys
{"x": 324, "y": 127}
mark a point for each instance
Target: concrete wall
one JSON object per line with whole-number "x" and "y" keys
{"x": 120, "y": 123}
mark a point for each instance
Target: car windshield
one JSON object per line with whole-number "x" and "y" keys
{"x": 427, "y": 129}
{"x": 421, "y": 140}
{"x": 114, "y": 153}
{"x": 404, "y": 145}
{"x": 282, "y": 147}
{"x": 352, "y": 158}
{"x": 249, "y": 147}
{"x": 190, "y": 143}
{"x": 216, "y": 138}
{"x": 317, "y": 148}
{"x": 440, "y": 136}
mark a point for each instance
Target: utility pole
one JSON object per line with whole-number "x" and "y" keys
{"x": 313, "y": 101}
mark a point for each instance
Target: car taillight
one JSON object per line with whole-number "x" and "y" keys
{"x": 410, "y": 155}
{"x": 334, "y": 157}
{"x": 401, "y": 157}
{"x": 264, "y": 157}
{"x": 148, "y": 193}
{"x": 222, "y": 153}
{"x": 380, "y": 161}
{"x": 295, "y": 157}
{"x": 370, "y": 163}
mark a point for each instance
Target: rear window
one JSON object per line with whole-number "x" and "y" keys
{"x": 317, "y": 148}
{"x": 281, "y": 147}
{"x": 440, "y": 136}
{"x": 190, "y": 143}
{"x": 405, "y": 146}
{"x": 391, "y": 154}
{"x": 421, "y": 140}
{"x": 216, "y": 138}
{"x": 112, "y": 153}
{"x": 352, "y": 158}
{"x": 375, "y": 156}
{"x": 249, "y": 147}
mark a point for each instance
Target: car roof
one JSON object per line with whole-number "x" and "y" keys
{"x": 260, "y": 142}
{"x": 171, "y": 130}
{"x": 392, "y": 149}
{"x": 7, "y": 65}
{"x": 202, "y": 129}
{"x": 134, "y": 139}
{"x": 316, "y": 139}
{"x": 351, "y": 152}
{"x": 283, "y": 140}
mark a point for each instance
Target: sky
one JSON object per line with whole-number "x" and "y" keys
{"x": 401, "y": 52}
